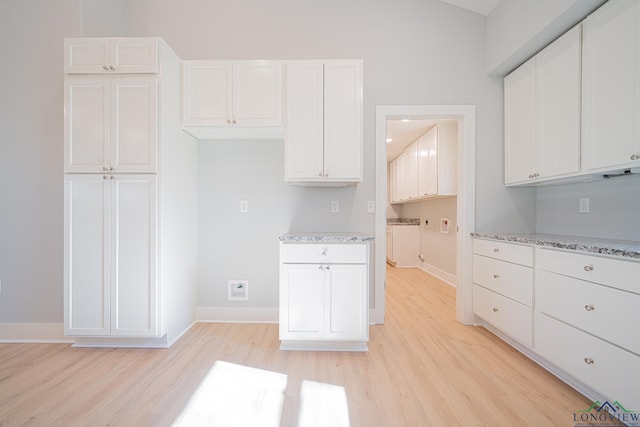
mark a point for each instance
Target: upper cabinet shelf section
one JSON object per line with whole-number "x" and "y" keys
{"x": 571, "y": 113}
{"x": 323, "y": 144}
{"x": 233, "y": 99}
{"x": 111, "y": 55}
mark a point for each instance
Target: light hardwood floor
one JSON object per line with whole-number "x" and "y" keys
{"x": 422, "y": 369}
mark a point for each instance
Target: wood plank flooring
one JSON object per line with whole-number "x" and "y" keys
{"x": 422, "y": 369}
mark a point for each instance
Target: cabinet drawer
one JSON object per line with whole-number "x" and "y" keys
{"x": 511, "y": 280}
{"x": 597, "y": 309}
{"x": 616, "y": 273}
{"x": 611, "y": 371}
{"x": 510, "y": 316}
{"x": 518, "y": 254}
{"x": 323, "y": 253}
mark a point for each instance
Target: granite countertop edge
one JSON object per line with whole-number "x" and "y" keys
{"x": 326, "y": 237}
{"x": 619, "y": 248}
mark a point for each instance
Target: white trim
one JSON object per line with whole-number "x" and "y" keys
{"x": 448, "y": 278}
{"x": 237, "y": 315}
{"x": 466, "y": 114}
{"x": 33, "y": 333}
{"x": 312, "y": 345}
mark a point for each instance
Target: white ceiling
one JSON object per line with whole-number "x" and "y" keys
{"x": 483, "y": 7}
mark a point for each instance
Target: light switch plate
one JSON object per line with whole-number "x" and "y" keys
{"x": 583, "y": 205}
{"x": 335, "y": 206}
{"x": 244, "y": 206}
{"x": 371, "y": 206}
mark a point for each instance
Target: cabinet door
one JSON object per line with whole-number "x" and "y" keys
{"x": 257, "y": 93}
{"x": 346, "y": 299}
{"x": 343, "y": 120}
{"x": 410, "y": 172}
{"x": 86, "y": 127}
{"x": 302, "y": 295}
{"x": 305, "y": 124}
{"x": 108, "y": 55}
{"x": 134, "y": 296}
{"x": 519, "y": 131}
{"x": 558, "y": 107}
{"x": 207, "y": 93}
{"x": 610, "y": 82}
{"x": 86, "y": 251}
{"x": 428, "y": 163}
{"x": 134, "y": 125}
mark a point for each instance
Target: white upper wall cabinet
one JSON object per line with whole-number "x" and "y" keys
{"x": 111, "y": 55}
{"x": 542, "y": 114}
{"x": 232, "y": 94}
{"x": 323, "y": 138}
{"x": 611, "y": 87}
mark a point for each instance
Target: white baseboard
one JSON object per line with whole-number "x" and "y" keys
{"x": 237, "y": 315}
{"x": 449, "y": 278}
{"x": 33, "y": 333}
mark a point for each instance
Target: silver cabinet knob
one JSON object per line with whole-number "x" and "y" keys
{"x": 104, "y": 67}
{"x": 319, "y": 267}
{"x": 104, "y": 177}
{"x": 588, "y": 361}
{"x": 111, "y": 68}
{"x": 589, "y": 307}
{"x": 228, "y": 121}
{"x": 496, "y": 249}
{"x": 327, "y": 267}
{"x": 105, "y": 169}
{"x": 233, "y": 121}
{"x": 324, "y": 252}
{"x": 588, "y": 268}
{"x": 496, "y": 276}
{"x": 495, "y": 310}
{"x": 635, "y": 157}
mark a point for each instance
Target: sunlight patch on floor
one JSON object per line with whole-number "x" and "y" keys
{"x": 323, "y": 405}
{"x": 234, "y": 395}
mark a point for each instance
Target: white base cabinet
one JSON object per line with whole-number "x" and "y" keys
{"x": 403, "y": 245}
{"x": 324, "y": 296}
{"x": 575, "y": 313}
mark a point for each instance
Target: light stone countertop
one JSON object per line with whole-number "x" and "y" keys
{"x": 621, "y": 248}
{"x": 326, "y": 237}
{"x": 403, "y": 221}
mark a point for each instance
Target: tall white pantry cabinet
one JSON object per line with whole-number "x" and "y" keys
{"x": 129, "y": 195}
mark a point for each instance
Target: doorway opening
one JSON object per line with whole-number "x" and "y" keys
{"x": 464, "y": 115}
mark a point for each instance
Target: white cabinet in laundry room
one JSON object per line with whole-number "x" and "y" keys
{"x": 323, "y": 133}
{"x": 129, "y": 205}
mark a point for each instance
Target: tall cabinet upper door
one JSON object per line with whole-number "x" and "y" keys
{"x": 305, "y": 123}
{"x": 86, "y": 249}
{"x": 134, "y": 296}
{"x": 134, "y": 125}
{"x": 520, "y": 110}
{"x": 343, "y": 119}
{"x": 86, "y": 130}
{"x": 558, "y": 106}
{"x": 111, "y": 55}
{"x": 428, "y": 163}
{"x": 611, "y": 86}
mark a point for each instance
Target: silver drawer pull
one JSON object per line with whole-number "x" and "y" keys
{"x": 324, "y": 252}
{"x": 589, "y": 307}
{"x": 496, "y": 249}
{"x": 588, "y": 268}
{"x": 588, "y": 361}
{"x": 495, "y": 276}
{"x": 495, "y": 310}
{"x": 635, "y": 157}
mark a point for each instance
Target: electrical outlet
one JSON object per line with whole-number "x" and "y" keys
{"x": 371, "y": 206}
{"x": 335, "y": 206}
{"x": 584, "y": 205}
{"x": 244, "y": 206}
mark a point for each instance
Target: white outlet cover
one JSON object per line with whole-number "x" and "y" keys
{"x": 335, "y": 206}
{"x": 238, "y": 290}
{"x": 371, "y": 206}
{"x": 244, "y": 206}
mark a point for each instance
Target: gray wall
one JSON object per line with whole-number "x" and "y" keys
{"x": 414, "y": 51}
